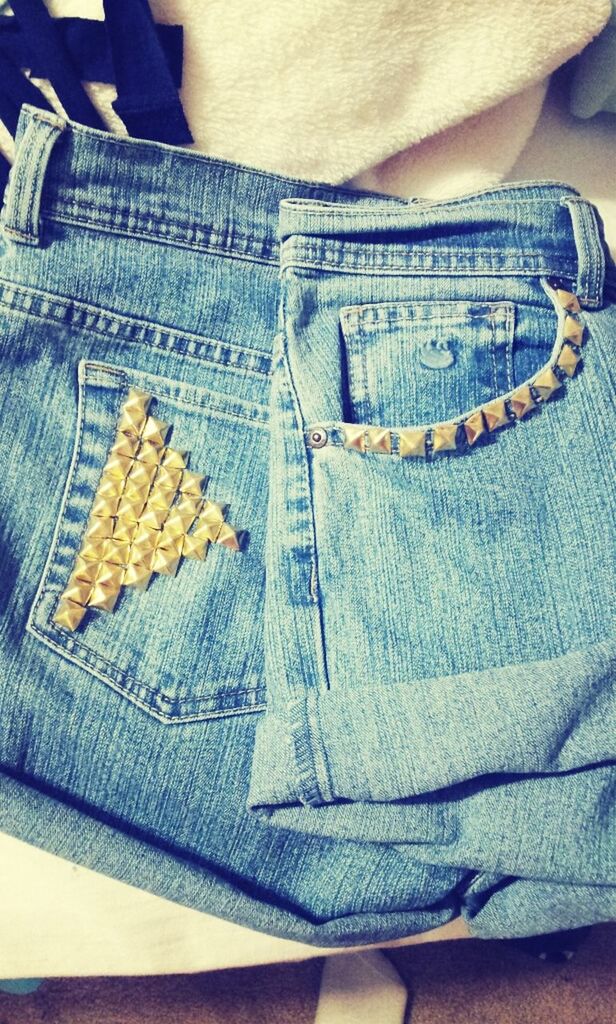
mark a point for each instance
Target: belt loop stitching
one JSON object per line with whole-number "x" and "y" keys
{"x": 590, "y": 252}
{"x": 21, "y": 214}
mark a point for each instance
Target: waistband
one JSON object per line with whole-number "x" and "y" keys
{"x": 76, "y": 174}
{"x": 80, "y": 175}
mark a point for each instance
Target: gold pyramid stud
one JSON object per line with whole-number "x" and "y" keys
{"x": 573, "y": 331}
{"x": 168, "y": 478}
{"x": 210, "y": 520}
{"x": 173, "y": 459}
{"x": 118, "y": 466}
{"x": 137, "y": 576}
{"x": 124, "y": 529}
{"x": 104, "y": 507}
{"x": 522, "y": 401}
{"x": 189, "y": 506}
{"x": 93, "y": 550}
{"x": 141, "y": 474}
{"x": 228, "y": 537}
{"x": 378, "y": 440}
{"x": 149, "y": 453}
{"x": 78, "y": 592}
{"x": 153, "y": 517}
{"x": 68, "y": 614}
{"x": 110, "y": 576}
{"x": 474, "y": 427}
{"x": 213, "y": 512}
{"x": 165, "y": 562}
{"x": 192, "y": 483}
{"x": 98, "y": 529}
{"x": 86, "y": 572}
{"x": 137, "y": 399}
{"x": 195, "y": 547}
{"x": 206, "y": 531}
{"x": 495, "y": 414}
{"x": 134, "y": 494}
{"x": 110, "y": 487}
{"x": 103, "y": 598}
{"x": 568, "y": 300}
{"x": 141, "y": 554}
{"x": 130, "y": 509}
{"x": 444, "y": 437}
{"x": 169, "y": 542}
{"x": 568, "y": 360}
{"x": 131, "y": 422}
{"x": 126, "y": 445}
{"x": 161, "y": 497}
{"x": 154, "y": 430}
{"x": 116, "y": 551}
{"x": 547, "y": 383}
{"x": 177, "y": 523}
{"x": 411, "y": 441}
{"x": 355, "y": 437}
{"x": 145, "y": 536}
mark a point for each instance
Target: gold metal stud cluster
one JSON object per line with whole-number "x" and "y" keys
{"x": 146, "y": 502}
{"x": 418, "y": 441}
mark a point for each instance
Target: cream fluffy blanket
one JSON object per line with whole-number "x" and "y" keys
{"x": 409, "y": 97}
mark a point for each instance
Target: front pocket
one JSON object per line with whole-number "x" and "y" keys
{"x": 408, "y": 419}
{"x": 154, "y": 581}
{"x": 423, "y": 361}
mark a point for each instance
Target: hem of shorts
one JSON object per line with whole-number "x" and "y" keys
{"x": 418, "y": 746}
{"x": 42, "y": 820}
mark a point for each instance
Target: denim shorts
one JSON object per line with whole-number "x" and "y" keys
{"x": 265, "y": 650}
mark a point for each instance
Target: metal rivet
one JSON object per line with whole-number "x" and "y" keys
{"x": 318, "y": 438}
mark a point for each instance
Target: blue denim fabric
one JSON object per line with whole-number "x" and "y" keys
{"x": 439, "y": 631}
{"x": 127, "y": 745}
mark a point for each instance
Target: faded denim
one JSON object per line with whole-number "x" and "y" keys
{"x": 128, "y": 745}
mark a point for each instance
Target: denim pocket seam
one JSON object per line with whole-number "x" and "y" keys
{"x": 355, "y": 331}
{"x": 117, "y": 680}
{"x": 225, "y": 409}
{"x": 20, "y": 299}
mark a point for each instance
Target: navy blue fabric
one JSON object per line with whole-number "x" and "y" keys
{"x": 48, "y": 47}
{"x": 15, "y": 89}
{"x": 148, "y": 101}
{"x": 87, "y": 43}
{"x": 4, "y": 174}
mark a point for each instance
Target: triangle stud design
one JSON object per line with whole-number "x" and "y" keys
{"x": 147, "y": 514}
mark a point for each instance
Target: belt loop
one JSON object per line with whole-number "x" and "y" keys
{"x": 588, "y": 236}
{"x": 22, "y": 201}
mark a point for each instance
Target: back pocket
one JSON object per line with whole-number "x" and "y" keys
{"x": 426, "y": 361}
{"x": 154, "y": 582}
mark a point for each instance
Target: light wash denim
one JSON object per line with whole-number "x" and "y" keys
{"x": 127, "y": 744}
{"x": 440, "y": 630}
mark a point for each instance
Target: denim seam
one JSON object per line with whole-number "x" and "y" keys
{"x": 230, "y": 251}
{"x": 73, "y": 307}
{"x": 118, "y": 676}
{"x": 164, "y": 391}
{"x": 125, "y": 216}
{"x": 305, "y": 751}
{"x": 408, "y": 268}
{"x": 128, "y": 694}
{"x": 440, "y": 318}
{"x": 470, "y": 201}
